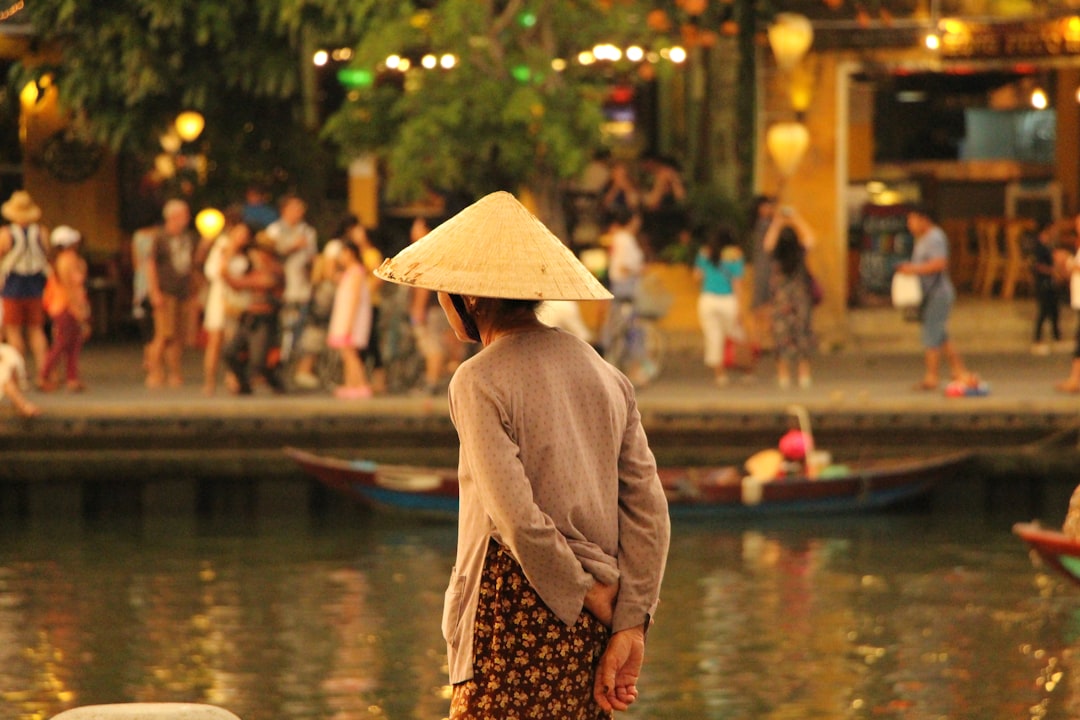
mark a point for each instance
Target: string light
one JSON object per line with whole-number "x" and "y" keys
{"x": 11, "y": 10}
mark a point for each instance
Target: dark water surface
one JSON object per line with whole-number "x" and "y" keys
{"x": 926, "y": 614}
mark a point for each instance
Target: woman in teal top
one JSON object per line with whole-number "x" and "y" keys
{"x": 719, "y": 268}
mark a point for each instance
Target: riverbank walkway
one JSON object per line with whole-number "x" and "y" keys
{"x": 862, "y": 397}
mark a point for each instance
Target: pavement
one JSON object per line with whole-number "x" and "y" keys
{"x": 861, "y": 399}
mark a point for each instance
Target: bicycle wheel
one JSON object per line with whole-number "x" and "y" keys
{"x": 329, "y": 369}
{"x": 655, "y": 342}
{"x": 401, "y": 358}
{"x": 617, "y": 348}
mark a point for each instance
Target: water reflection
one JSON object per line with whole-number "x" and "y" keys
{"x": 912, "y": 616}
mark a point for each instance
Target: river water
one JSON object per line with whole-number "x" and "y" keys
{"x": 923, "y": 614}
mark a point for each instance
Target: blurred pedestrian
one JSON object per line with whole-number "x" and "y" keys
{"x": 258, "y": 213}
{"x": 169, "y": 286}
{"x": 296, "y": 245}
{"x": 350, "y": 322}
{"x": 930, "y": 261}
{"x": 312, "y": 342}
{"x": 248, "y": 353}
{"x": 663, "y": 205}
{"x": 1046, "y": 289}
{"x": 622, "y": 338}
{"x": 787, "y": 239}
{"x": 142, "y": 311}
{"x": 12, "y": 376}
{"x": 226, "y": 249}
{"x": 1072, "y": 383}
{"x": 23, "y": 266}
{"x": 434, "y": 336}
{"x": 69, "y": 308}
{"x": 371, "y": 355}
{"x": 762, "y": 210}
{"x": 621, "y": 196}
{"x": 719, "y": 269}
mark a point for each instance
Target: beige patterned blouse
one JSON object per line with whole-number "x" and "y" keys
{"x": 554, "y": 464}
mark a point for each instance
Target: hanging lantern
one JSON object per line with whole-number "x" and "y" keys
{"x": 189, "y": 125}
{"x": 790, "y": 37}
{"x": 165, "y": 165}
{"x": 801, "y": 87}
{"x": 30, "y": 94}
{"x": 210, "y": 222}
{"x": 170, "y": 141}
{"x": 787, "y": 143}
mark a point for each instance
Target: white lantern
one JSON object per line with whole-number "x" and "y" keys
{"x": 790, "y": 37}
{"x": 787, "y": 143}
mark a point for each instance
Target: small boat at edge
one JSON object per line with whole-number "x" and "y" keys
{"x": 1054, "y": 548}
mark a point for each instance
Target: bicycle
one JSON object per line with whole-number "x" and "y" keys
{"x": 636, "y": 331}
{"x": 401, "y": 357}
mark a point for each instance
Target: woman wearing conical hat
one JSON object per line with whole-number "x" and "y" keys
{"x": 563, "y": 528}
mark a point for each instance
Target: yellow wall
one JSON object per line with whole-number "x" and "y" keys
{"x": 91, "y": 206}
{"x": 813, "y": 189}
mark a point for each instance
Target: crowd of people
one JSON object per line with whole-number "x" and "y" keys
{"x": 270, "y": 306}
{"x": 267, "y": 306}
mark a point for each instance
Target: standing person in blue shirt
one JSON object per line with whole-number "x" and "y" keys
{"x": 719, "y": 267}
{"x": 258, "y": 213}
{"x": 930, "y": 261}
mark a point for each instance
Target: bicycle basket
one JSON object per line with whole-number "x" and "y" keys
{"x": 652, "y": 299}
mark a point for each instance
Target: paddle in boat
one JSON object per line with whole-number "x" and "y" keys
{"x": 794, "y": 479}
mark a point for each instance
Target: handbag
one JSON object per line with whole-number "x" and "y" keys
{"x": 740, "y": 355}
{"x": 907, "y": 295}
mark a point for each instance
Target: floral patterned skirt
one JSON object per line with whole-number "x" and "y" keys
{"x": 527, "y": 663}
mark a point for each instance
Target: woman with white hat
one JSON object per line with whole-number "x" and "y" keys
{"x": 563, "y": 528}
{"x": 23, "y": 263}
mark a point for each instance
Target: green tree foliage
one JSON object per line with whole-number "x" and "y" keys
{"x": 125, "y": 69}
{"x": 502, "y": 116}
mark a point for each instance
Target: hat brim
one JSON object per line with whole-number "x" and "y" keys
{"x": 21, "y": 215}
{"x": 494, "y": 248}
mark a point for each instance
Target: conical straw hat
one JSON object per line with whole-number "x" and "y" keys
{"x": 494, "y": 248}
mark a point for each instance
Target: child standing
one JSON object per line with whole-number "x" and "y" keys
{"x": 66, "y": 303}
{"x": 350, "y": 322}
{"x": 12, "y": 374}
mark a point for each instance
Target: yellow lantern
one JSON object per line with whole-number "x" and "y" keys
{"x": 801, "y": 89}
{"x": 787, "y": 143}
{"x": 165, "y": 165}
{"x": 790, "y": 37}
{"x": 210, "y": 222}
{"x": 170, "y": 141}
{"x": 30, "y": 94}
{"x": 189, "y": 125}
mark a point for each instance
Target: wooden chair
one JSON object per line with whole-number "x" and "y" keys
{"x": 147, "y": 711}
{"x": 991, "y": 259}
{"x": 1017, "y": 269}
{"x": 962, "y": 261}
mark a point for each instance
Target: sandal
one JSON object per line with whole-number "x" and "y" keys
{"x": 1068, "y": 386}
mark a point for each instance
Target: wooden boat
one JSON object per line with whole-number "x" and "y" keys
{"x": 1059, "y": 551}
{"x": 692, "y": 492}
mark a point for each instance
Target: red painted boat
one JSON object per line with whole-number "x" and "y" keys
{"x": 705, "y": 492}
{"x": 1057, "y": 550}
